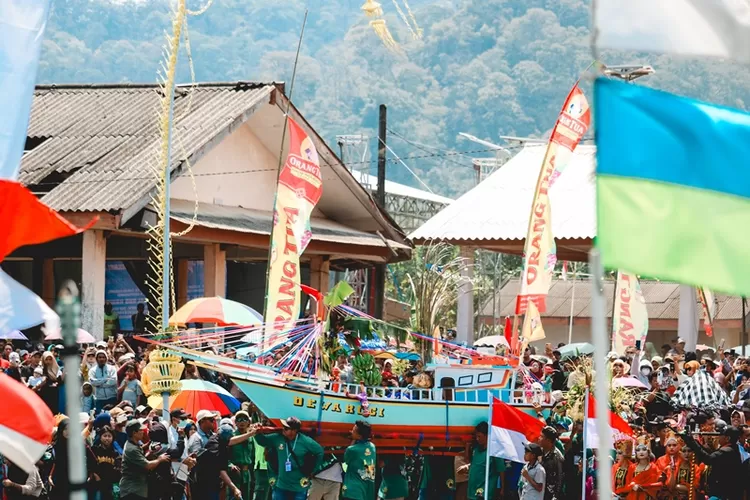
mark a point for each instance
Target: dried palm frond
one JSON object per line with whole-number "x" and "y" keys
{"x": 621, "y": 399}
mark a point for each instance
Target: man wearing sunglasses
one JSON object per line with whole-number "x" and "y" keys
{"x": 242, "y": 456}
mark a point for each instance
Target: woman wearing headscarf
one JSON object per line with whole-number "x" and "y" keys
{"x": 49, "y": 389}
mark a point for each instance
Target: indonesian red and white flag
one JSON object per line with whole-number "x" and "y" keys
{"x": 620, "y": 428}
{"x": 510, "y": 430}
{"x": 25, "y": 424}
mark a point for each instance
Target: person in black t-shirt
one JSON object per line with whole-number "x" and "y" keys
{"x": 656, "y": 401}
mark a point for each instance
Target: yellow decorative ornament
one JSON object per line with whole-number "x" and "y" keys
{"x": 162, "y": 373}
{"x": 373, "y": 9}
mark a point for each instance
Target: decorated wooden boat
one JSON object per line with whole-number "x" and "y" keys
{"x": 440, "y": 419}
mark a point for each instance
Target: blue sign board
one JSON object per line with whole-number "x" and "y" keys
{"x": 122, "y": 292}
{"x": 195, "y": 279}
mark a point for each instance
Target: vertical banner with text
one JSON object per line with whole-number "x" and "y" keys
{"x": 299, "y": 190}
{"x": 630, "y": 317}
{"x": 708, "y": 305}
{"x": 540, "y": 254}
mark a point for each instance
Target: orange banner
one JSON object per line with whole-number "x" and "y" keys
{"x": 540, "y": 254}
{"x": 299, "y": 190}
{"x": 630, "y": 322}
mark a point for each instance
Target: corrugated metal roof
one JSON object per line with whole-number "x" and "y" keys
{"x": 259, "y": 222}
{"x": 396, "y": 189}
{"x": 498, "y": 208}
{"x": 662, "y": 300}
{"x": 102, "y": 141}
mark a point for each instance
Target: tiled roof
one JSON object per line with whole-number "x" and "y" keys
{"x": 498, "y": 208}
{"x": 102, "y": 140}
{"x": 662, "y": 300}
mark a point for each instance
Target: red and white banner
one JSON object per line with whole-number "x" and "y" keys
{"x": 708, "y": 305}
{"x": 630, "y": 322}
{"x": 299, "y": 190}
{"x": 619, "y": 427}
{"x": 510, "y": 430}
{"x": 25, "y": 424}
{"x": 540, "y": 254}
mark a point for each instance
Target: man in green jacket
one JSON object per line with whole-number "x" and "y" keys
{"x": 242, "y": 457}
{"x": 359, "y": 480}
{"x": 298, "y": 456}
{"x": 476, "y": 455}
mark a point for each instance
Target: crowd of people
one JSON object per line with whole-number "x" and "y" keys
{"x": 689, "y": 441}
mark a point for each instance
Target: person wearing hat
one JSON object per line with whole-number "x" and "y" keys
{"x": 359, "y": 479}
{"x": 176, "y": 417}
{"x": 678, "y": 347}
{"x": 533, "y": 476}
{"x": 104, "y": 379}
{"x": 242, "y": 456}
{"x": 205, "y": 421}
{"x": 476, "y": 456}
{"x": 134, "y": 480}
{"x": 211, "y": 472}
{"x": 297, "y": 455}
{"x": 724, "y": 466}
{"x": 119, "y": 419}
{"x": 552, "y": 462}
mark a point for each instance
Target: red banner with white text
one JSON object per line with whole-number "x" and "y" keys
{"x": 299, "y": 190}
{"x": 540, "y": 254}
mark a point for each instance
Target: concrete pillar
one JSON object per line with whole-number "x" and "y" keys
{"x": 465, "y": 315}
{"x": 320, "y": 268}
{"x": 94, "y": 267}
{"x": 182, "y": 282}
{"x": 214, "y": 271}
{"x": 687, "y": 322}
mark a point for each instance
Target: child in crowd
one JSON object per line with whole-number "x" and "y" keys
{"x": 36, "y": 378}
{"x": 87, "y": 397}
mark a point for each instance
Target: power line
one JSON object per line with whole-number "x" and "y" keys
{"x": 367, "y": 162}
{"x": 425, "y": 147}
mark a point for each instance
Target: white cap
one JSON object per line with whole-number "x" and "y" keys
{"x": 203, "y": 414}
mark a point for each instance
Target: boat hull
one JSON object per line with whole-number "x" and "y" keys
{"x": 396, "y": 424}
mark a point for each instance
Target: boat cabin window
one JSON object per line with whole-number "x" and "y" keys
{"x": 465, "y": 380}
{"x": 484, "y": 378}
{"x": 447, "y": 383}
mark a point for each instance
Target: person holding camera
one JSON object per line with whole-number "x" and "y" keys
{"x": 724, "y": 466}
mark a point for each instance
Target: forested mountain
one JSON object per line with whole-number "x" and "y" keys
{"x": 485, "y": 67}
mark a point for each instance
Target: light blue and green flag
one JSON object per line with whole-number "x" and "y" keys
{"x": 673, "y": 187}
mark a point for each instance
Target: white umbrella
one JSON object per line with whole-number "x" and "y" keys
{"x": 20, "y": 308}
{"x": 491, "y": 341}
{"x": 83, "y": 336}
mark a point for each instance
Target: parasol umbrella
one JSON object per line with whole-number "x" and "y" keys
{"x": 631, "y": 382}
{"x": 83, "y": 336}
{"x": 491, "y": 341}
{"x": 577, "y": 349}
{"x": 198, "y": 395}
{"x": 13, "y": 335}
{"x": 217, "y": 310}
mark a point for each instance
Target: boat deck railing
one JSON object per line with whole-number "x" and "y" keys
{"x": 442, "y": 394}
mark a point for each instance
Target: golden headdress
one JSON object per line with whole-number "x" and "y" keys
{"x": 625, "y": 446}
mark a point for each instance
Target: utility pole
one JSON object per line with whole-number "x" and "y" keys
{"x": 379, "y": 287}
{"x": 69, "y": 310}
